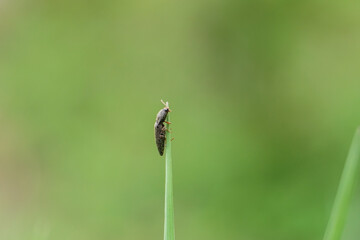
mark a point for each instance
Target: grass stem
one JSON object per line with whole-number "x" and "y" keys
{"x": 169, "y": 225}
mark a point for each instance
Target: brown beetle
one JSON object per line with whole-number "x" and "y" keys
{"x": 160, "y": 129}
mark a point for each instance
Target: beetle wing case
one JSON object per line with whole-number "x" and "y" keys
{"x": 160, "y": 137}
{"x": 160, "y": 129}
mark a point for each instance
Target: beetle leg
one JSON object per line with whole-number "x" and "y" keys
{"x": 167, "y": 122}
{"x": 167, "y": 130}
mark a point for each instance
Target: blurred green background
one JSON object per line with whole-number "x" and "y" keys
{"x": 265, "y": 99}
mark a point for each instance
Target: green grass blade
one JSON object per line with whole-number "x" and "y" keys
{"x": 169, "y": 225}
{"x": 345, "y": 191}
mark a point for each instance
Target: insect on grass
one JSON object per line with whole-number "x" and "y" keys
{"x": 160, "y": 129}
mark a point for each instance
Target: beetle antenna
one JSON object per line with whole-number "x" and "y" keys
{"x": 166, "y": 104}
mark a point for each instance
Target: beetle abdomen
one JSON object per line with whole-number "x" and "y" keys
{"x": 160, "y": 137}
{"x": 160, "y": 129}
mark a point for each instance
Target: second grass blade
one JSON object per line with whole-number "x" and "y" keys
{"x": 345, "y": 191}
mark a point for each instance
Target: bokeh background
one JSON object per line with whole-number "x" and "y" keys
{"x": 265, "y": 99}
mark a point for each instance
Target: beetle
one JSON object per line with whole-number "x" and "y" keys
{"x": 160, "y": 129}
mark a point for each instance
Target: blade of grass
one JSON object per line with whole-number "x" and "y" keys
{"x": 169, "y": 226}
{"x": 345, "y": 191}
